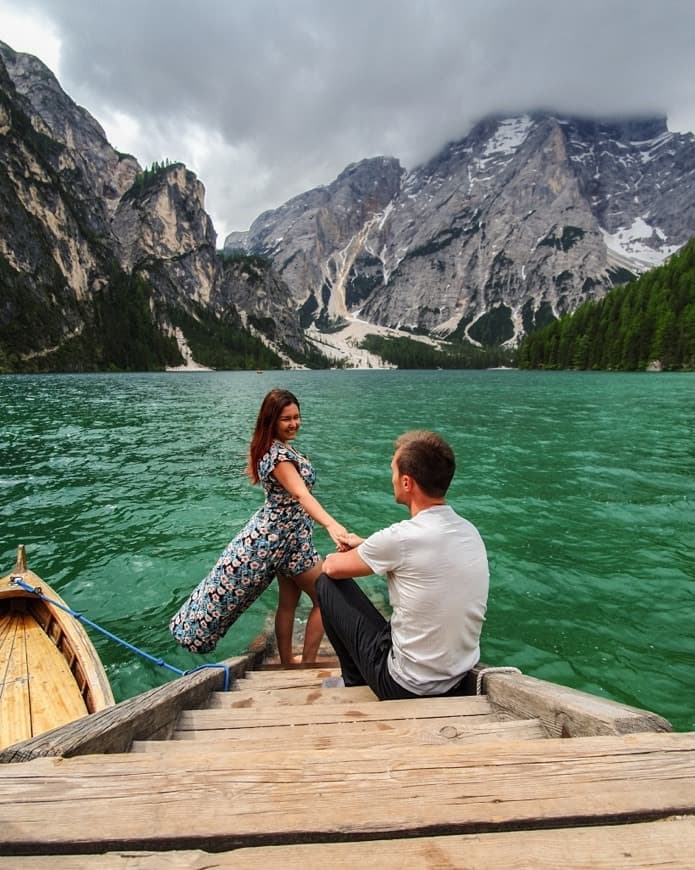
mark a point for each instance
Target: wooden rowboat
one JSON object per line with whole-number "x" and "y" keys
{"x": 50, "y": 673}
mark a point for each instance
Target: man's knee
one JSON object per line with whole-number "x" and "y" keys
{"x": 321, "y": 583}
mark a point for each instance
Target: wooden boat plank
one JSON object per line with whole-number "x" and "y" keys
{"x": 291, "y": 696}
{"x": 134, "y": 802}
{"x": 15, "y": 710}
{"x": 55, "y": 697}
{"x": 304, "y": 714}
{"x": 404, "y": 735}
{"x": 663, "y": 843}
{"x": 5, "y": 623}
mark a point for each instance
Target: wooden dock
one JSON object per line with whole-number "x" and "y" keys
{"x": 282, "y": 772}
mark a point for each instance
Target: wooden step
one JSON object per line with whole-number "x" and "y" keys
{"x": 291, "y": 678}
{"x": 325, "y": 660}
{"x": 403, "y": 734}
{"x": 664, "y": 843}
{"x": 477, "y": 708}
{"x": 134, "y": 801}
{"x": 295, "y": 696}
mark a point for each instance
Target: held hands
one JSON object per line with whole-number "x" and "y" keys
{"x": 352, "y": 541}
{"x": 349, "y": 541}
{"x": 339, "y": 534}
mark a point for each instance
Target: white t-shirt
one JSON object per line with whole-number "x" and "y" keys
{"x": 437, "y": 572}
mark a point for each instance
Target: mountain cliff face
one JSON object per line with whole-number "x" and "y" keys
{"x": 313, "y": 239}
{"x": 105, "y": 264}
{"x": 102, "y": 263}
{"x": 519, "y": 222}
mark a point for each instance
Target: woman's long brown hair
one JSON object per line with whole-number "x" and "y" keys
{"x": 273, "y": 405}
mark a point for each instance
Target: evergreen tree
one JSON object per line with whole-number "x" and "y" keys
{"x": 650, "y": 319}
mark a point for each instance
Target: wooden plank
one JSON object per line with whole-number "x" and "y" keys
{"x": 401, "y": 734}
{"x": 5, "y": 623}
{"x": 286, "y": 679}
{"x": 567, "y": 712}
{"x": 54, "y": 695}
{"x": 272, "y": 663}
{"x": 303, "y": 714}
{"x": 665, "y": 843}
{"x": 134, "y": 802}
{"x": 367, "y": 733}
{"x": 15, "y": 709}
{"x": 253, "y": 698}
{"x": 114, "y": 729}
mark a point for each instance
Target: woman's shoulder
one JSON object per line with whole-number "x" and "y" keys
{"x": 277, "y": 452}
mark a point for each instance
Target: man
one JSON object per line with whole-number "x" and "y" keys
{"x": 437, "y": 572}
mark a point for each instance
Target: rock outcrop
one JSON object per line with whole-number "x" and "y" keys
{"x": 92, "y": 245}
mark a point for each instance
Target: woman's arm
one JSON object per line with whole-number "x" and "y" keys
{"x": 290, "y": 479}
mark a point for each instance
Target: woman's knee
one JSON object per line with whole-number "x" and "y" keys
{"x": 288, "y": 592}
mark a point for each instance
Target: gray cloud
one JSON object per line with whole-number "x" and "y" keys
{"x": 266, "y": 98}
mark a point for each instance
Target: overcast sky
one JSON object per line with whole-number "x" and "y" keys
{"x": 264, "y": 99}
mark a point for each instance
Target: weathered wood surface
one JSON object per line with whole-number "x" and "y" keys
{"x": 134, "y": 801}
{"x": 153, "y": 713}
{"x": 478, "y": 709}
{"x": 292, "y": 678}
{"x": 404, "y": 734}
{"x": 244, "y": 697}
{"x": 566, "y": 712}
{"x": 665, "y": 843}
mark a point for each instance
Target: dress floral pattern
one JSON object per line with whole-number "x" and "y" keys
{"x": 277, "y": 539}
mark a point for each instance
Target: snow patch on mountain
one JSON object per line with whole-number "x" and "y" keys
{"x": 633, "y": 244}
{"x": 511, "y": 133}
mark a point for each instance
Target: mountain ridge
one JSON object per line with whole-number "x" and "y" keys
{"x": 499, "y": 233}
{"x": 484, "y": 231}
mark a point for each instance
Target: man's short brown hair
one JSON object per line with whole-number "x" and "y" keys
{"x": 428, "y": 459}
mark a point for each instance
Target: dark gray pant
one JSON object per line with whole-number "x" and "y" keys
{"x": 360, "y": 636}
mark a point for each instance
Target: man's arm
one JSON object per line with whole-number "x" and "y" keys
{"x": 341, "y": 566}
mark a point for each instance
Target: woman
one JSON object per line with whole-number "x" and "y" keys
{"x": 277, "y": 540}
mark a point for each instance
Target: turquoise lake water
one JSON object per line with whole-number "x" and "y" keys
{"x": 126, "y": 488}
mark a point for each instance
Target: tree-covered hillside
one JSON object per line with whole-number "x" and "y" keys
{"x": 407, "y": 353}
{"x": 648, "y": 321}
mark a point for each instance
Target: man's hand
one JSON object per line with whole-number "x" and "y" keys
{"x": 350, "y": 540}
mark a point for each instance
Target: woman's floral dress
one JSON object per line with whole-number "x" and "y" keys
{"x": 277, "y": 539}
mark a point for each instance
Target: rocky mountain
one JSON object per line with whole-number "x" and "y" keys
{"x": 521, "y": 221}
{"x": 105, "y": 264}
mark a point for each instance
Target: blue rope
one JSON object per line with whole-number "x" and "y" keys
{"x": 36, "y": 590}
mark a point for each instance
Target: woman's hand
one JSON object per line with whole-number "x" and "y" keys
{"x": 348, "y": 541}
{"x": 339, "y": 534}
{"x": 351, "y": 541}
